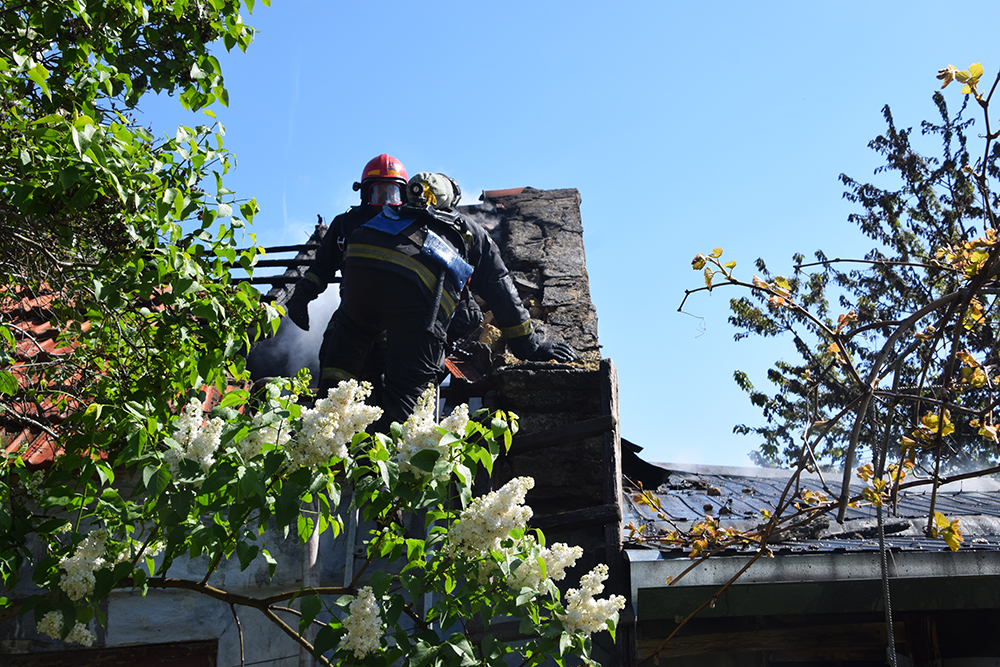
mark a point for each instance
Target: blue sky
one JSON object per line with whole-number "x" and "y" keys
{"x": 684, "y": 128}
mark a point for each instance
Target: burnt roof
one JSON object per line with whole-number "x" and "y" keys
{"x": 737, "y": 496}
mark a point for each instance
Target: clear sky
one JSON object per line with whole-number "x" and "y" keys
{"x": 685, "y": 126}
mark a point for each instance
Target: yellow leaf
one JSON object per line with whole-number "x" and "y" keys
{"x": 966, "y": 358}
{"x": 708, "y": 277}
{"x": 947, "y": 75}
{"x": 966, "y": 89}
{"x": 952, "y": 540}
{"x": 717, "y": 252}
{"x": 730, "y": 265}
{"x": 941, "y": 520}
{"x": 976, "y": 70}
{"x": 698, "y": 263}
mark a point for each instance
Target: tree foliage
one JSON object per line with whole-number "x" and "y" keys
{"x": 124, "y": 243}
{"x": 895, "y": 353}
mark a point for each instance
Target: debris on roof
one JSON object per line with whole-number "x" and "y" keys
{"x": 737, "y": 497}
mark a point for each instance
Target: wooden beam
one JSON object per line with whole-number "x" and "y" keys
{"x": 274, "y": 280}
{"x": 302, "y": 247}
{"x": 287, "y": 263}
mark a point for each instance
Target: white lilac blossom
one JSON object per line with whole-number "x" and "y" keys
{"x": 489, "y": 519}
{"x": 197, "y": 439}
{"x": 422, "y": 432}
{"x": 52, "y": 625}
{"x": 558, "y": 558}
{"x": 364, "y": 625}
{"x": 327, "y": 428}
{"x": 78, "y": 579}
{"x": 584, "y": 613}
{"x": 276, "y": 433}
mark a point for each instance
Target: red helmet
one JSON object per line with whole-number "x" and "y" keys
{"x": 383, "y": 181}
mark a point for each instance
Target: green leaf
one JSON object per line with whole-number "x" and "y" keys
{"x": 272, "y": 564}
{"x": 305, "y": 526}
{"x": 40, "y": 76}
{"x": 380, "y": 582}
{"x": 246, "y": 553}
{"x": 425, "y": 459}
{"x": 310, "y": 606}
{"x": 422, "y": 654}
{"x": 8, "y": 383}
{"x": 327, "y": 639}
{"x": 565, "y": 643}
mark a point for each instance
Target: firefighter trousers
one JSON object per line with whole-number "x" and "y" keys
{"x": 373, "y": 301}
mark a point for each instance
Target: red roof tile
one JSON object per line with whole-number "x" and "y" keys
{"x": 493, "y": 194}
{"x": 37, "y": 336}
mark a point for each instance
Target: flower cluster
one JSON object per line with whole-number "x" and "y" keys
{"x": 328, "y": 428}
{"x": 422, "y": 432}
{"x": 78, "y": 580}
{"x": 364, "y": 625}
{"x": 276, "y": 433}
{"x": 52, "y": 625}
{"x": 489, "y": 519}
{"x": 558, "y": 558}
{"x": 197, "y": 439}
{"x": 584, "y": 613}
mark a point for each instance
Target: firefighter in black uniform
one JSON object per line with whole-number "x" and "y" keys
{"x": 404, "y": 273}
{"x": 383, "y": 183}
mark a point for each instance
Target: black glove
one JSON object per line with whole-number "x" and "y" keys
{"x": 530, "y": 348}
{"x": 298, "y": 305}
{"x": 298, "y": 312}
{"x": 553, "y": 351}
{"x": 468, "y": 315}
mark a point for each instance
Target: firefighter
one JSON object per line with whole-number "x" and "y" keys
{"x": 383, "y": 183}
{"x": 404, "y": 273}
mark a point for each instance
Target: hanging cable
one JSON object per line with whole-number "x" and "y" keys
{"x": 880, "y": 456}
{"x": 884, "y": 562}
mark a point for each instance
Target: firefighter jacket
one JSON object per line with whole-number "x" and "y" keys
{"x": 443, "y": 253}
{"x": 330, "y": 256}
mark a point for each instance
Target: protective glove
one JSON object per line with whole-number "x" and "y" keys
{"x": 298, "y": 305}
{"x": 530, "y": 348}
{"x": 549, "y": 350}
{"x": 298, "y": 312}
{"x": 468, "y": 315}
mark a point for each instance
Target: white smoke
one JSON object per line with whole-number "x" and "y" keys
{"x": 483, "y": 214}
{"x": 291, "y": 348}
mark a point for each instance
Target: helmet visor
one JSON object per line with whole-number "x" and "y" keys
{"x": 385, "y": 193}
